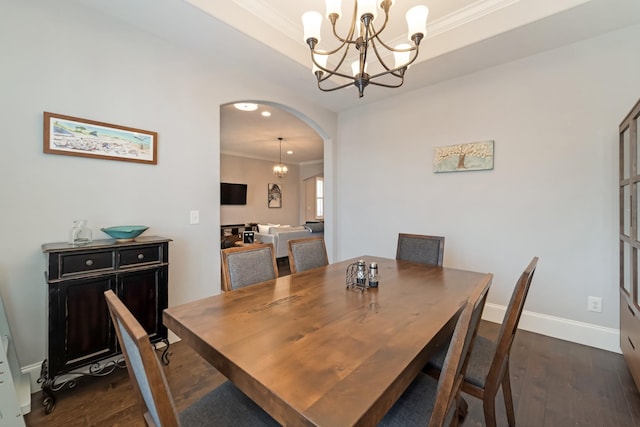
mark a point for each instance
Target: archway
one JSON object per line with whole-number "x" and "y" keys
{"x": 247, "y": 125}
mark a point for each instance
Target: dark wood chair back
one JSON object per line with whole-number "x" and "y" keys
{"x": 488, "y": 368}
{"x": 307, "y": 253}
{"x": 509, "y": 326}
{"x": 457, "y": 356}
{"x": 144, "y": 368}
{"x": 248, "y": 265}
{"x": 420, "y": 249}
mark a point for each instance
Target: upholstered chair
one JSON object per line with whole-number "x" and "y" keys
{"x": 420, "y": 249}
{"x": 226, "y": 405}
{"x": 308, "y": 253}
{"x": 248, "y": 265}
{"x": 489, "y": 362}
{"x": 435, "y": 403}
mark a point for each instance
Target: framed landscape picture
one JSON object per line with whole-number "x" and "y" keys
{"x": 73, "y": 136}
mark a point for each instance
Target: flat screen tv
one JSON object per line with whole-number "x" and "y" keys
{"x": 233, "y": 194}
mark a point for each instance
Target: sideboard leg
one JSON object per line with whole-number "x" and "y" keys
{"x": 165, "y": 352}
{"x": 48, "y": 399}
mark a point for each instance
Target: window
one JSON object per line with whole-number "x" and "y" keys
{"x": 319, "y": 197}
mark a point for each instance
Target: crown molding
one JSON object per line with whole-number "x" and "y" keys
{"x": 264, "y": 11}
{"x": 465, "y": 15}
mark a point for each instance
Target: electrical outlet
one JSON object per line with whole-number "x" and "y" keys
{"x": 194, "y": 217}
{"x": 594, "y": 304}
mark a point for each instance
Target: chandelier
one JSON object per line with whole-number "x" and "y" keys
{"x": 365, "y": 38}
{"x": 280, "y": 170}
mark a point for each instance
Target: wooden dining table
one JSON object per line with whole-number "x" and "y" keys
{"x": 310, "y": 351}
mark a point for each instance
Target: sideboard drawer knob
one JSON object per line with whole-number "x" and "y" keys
{"x": 89, "y": 263}
{"x": 140, "y": 256}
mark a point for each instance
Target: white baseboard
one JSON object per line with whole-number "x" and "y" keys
{"x": 557, "y": 327}
{"x": 34, "y": 373}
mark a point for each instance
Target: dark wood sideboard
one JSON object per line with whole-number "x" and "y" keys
{"x": 630, "y": 241}
{"x": 81, "y": 337}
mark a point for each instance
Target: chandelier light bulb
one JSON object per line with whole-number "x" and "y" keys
{"x": 312, "y": 22}
{"x": 417, "y": 21}
{"x": 402, "y": 58}
{"x": 321, "y": 60}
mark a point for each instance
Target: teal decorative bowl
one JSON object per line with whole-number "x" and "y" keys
{"x": 125, "y": 233}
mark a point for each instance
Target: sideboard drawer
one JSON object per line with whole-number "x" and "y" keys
{"x": 140, "y": 255}
{"x": 86, "y": 262}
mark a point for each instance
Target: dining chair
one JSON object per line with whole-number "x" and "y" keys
{"x": 436, "y": 402}
{"x": 307, "y": 253}
{"x": 489, "y": 361}
{"x": 421, "y": 249}
{"x": 248, "y": 265}
{"x": 226, "y": 405}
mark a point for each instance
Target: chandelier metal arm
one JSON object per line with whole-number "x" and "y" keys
{"x": 375, "y": 50}
{"x": 401, "y": 68}
{"x": 376, "y": 34}
{"x": 349, "y": 39}
{"x": 330, "y": 73}
{"x": 331, "y": 89}
{"x": 373, "y": 82}
{"x": 333, "y": 18}
{"x": 393, "y": 71}
{"x": 393, "y": 49}
{"x": 363, "y": 35}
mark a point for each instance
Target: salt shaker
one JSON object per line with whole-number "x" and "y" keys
{"x": 373, "y": 275}
{"x": 361, "y": 277}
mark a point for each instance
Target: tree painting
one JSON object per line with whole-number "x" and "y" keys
{"x": 463, "y": 157}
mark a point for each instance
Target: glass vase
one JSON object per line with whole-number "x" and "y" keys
{"x": 80, "y": 234}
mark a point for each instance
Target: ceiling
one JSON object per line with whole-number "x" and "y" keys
{"x": 265, "y": 36}
{"x": 249, "y": 134}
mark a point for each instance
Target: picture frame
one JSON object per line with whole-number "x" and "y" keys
{"x": 274, "y": 195}
{"x": 73, "y": 136}
{"x": 474, "y": 156}
{"x": 248, "y": 237}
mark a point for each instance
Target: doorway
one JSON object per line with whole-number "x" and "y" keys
{"x": 249, "y": 149}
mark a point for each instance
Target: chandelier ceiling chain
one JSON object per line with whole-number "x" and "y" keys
{"x": 363, "y": 35}
{"x": 280, "y": 170}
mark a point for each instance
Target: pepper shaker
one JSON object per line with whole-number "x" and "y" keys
{"x": 373, "y": 275}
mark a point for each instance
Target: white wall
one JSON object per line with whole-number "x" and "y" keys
{"x": 59, "y": 57}
{"x": 553, "y": 192}
{"x": 257, "y": 174}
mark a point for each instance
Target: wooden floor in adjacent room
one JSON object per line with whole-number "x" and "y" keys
{"x": 555, "y": 383}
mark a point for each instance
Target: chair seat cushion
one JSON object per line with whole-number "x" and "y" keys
{"x": 415, "y": 406}
{"x": 225, "y": 406}
{"x": 481, "y": 358}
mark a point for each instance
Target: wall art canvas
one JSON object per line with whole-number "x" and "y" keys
{"x": 274, "y": 194}
{"x": 463, "y": 157}
{"x": 72, "y": 136}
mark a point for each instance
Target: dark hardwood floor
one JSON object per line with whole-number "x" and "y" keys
{"x": 283, "y": 266}
{"x": 555, "y": 383}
